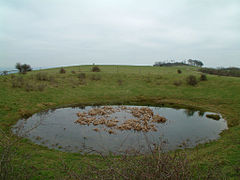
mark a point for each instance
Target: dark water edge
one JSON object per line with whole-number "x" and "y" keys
{"x": 56, "y": 129}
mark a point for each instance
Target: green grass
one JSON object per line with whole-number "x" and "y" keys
{"x": 140, "y": 85}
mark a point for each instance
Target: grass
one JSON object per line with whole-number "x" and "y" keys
{"x": 139, "y": 85}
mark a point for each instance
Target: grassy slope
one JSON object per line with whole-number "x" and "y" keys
{"x": 146, "y": 85}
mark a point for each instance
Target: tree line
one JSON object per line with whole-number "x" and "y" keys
{"x": 189, "y": 62}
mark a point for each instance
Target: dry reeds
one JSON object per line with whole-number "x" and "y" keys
{"x": 144, "y": 119}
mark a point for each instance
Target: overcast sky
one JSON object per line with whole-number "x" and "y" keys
{"x": 64, "y": 32}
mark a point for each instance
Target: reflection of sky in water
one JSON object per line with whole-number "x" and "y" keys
{"x": 57, "y": 129}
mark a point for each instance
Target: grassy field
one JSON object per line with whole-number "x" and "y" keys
{"x": 23, "y": 95}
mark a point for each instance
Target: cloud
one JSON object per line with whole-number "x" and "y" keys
{"x": 56, "y": 32}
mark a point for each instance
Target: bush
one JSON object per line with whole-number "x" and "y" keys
{"x": 82, "y": 76}
{"x": 191, "y": 80}
{"x": 73, "y": 72}
{"x": 62, "y": 71}
{"x": 95, "y": 69}
{"x": 203, "y": 77}
{"x": 179, "y": 71}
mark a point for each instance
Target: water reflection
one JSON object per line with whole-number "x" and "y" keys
{"x": 189, "y": 112}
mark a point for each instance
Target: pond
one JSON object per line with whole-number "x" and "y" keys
{"x": 117, "y": 129}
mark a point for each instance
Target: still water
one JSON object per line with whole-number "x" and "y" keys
{"x": 57, "y": 129}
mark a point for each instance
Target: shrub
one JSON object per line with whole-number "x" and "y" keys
{"x": 177, "y": 83}
{"x": 191, "y": 80}
{"x": 179, "y": 71}
{"x": 73, "y": 72}
{"x": 203, "y": 77}
{"x": 82, "y": 76}
{"x": 62, "y": 71}
{"x": 95, "y": 69}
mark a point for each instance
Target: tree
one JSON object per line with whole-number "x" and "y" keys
{"x": 19, "y": 67}
{"x": 195, "y": 63}
{"x": 23, "y": 68}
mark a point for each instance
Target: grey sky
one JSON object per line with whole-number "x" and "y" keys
{"x": 61, "y": 32}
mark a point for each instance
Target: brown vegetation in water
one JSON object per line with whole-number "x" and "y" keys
{"x": 145, "y": 119}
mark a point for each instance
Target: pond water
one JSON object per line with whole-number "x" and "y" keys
{"x": 57, "y": 129}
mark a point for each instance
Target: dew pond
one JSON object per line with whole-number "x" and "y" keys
{"x": 58, "y": 129}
